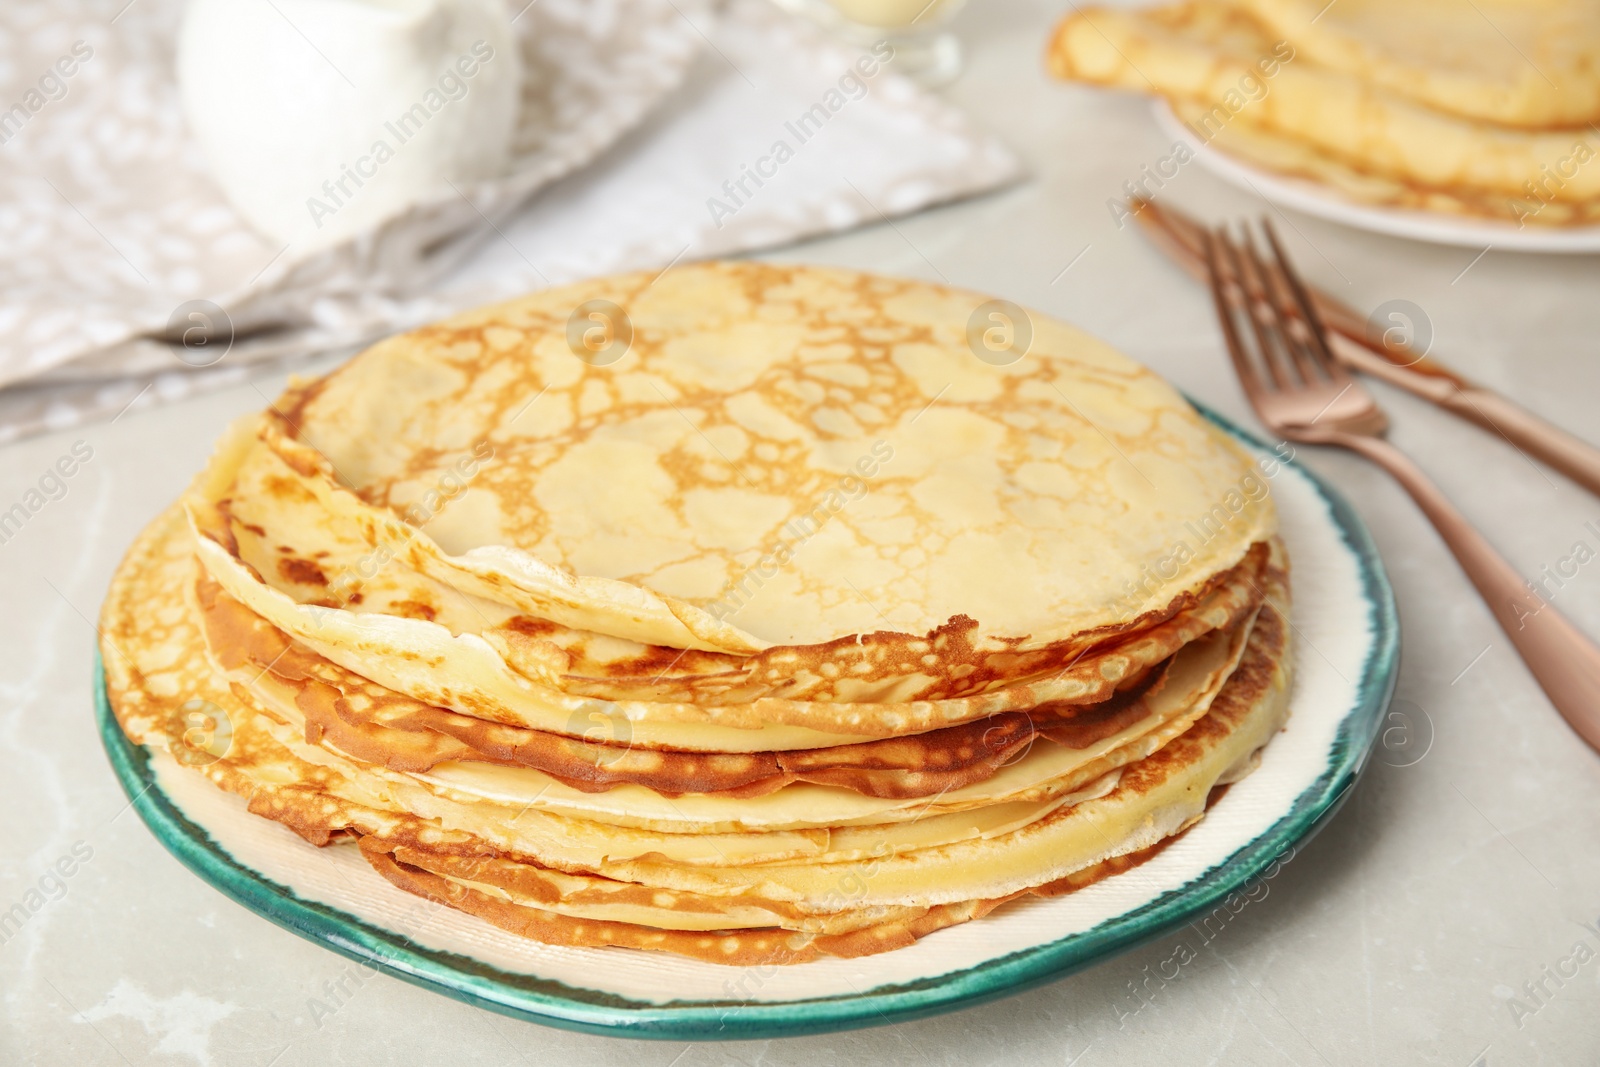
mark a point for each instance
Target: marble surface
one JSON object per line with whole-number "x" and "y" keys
{"x": 1418, "y": 928}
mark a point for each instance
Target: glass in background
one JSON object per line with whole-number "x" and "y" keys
{"x": 924, "y": 48}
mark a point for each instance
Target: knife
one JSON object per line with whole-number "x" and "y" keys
{"x": 1395, "y": 361}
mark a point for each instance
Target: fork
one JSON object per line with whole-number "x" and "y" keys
{"x": 1350, "y": 339}
{"x": 1303, "y": 394}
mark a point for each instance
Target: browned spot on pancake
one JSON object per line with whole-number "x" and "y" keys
{"x": 285, "y": 488}
{"x": 289, "y": 410}
{"x": 530, "y": 626}
{"x": 301, "y": 571}
{"x": 416, "y": 609}
{"x": 225, "y": 511}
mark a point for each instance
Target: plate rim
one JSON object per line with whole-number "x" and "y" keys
{"x": 554, "y": 1003}
{"x": 1324, "y": 202}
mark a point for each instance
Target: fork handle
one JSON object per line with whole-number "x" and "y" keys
{"x": 1564, "y": 662}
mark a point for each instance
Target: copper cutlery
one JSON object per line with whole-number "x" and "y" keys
{"x": 1302, "y": 392}
{"x": 1352, "y": 343}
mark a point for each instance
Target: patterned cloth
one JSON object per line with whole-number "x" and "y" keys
{"x": 120, "y": 247}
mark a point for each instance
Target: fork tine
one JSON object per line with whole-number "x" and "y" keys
{"x": 1271, "y": 335}
{"x": 1280, "y": 311}
{"x": 1254, "y": 388}
{"x": 1317, "y": 348}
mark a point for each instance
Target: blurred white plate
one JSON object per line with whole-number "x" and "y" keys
{"x": 1323, "y": 202}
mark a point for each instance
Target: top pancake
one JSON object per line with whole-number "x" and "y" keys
{"x": 268, "y": 535}
{"x": 784, "y": 456}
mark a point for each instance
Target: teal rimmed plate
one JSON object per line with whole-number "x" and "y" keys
{"x": 1346, "y": 636}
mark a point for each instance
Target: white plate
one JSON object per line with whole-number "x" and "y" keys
{"x": 1323, "y": 202}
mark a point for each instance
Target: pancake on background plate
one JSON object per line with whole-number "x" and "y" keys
{"x": 1475, "y": 107}
{"x": 789, "y": 616}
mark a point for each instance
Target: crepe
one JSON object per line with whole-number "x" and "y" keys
{"x": 427, "y": 660}
{"x": 377, "y": 725}
{"x": 155, "y": 577}
{"x": 784, "y": 456}
{"x": 781, "y": 886}
{"x": 1020, "y": 651}
{"x": 1060, "y": 760}
{"x": 1163, "y": 795}
{"x": 399, "y": 614}
{"x": 1530, "y": 63}
{"x": 864, "y": 934}
{"x": 1035, "y": 754}
{"x": 1393, "y": 116}
{"x": 1296, "y": 159}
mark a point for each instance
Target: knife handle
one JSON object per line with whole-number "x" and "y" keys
{"x": 1572, "y": 456}
{"x": 1181, "y": 238}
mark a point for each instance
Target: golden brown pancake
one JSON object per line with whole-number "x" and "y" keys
{"x": 380, "y": 726}
{"x": 740, "y": 948}
{"x": 1028, "y": 641}
{"x": 157, "y": 675}
{"x": 467, "y": 674}
{"x": 1506, "y": 62}
{"x": 507, "y": 804}
{"x": 1041, "y": 484}
{"x": 1465, "y": 126}
{"x": 286, "y": 578}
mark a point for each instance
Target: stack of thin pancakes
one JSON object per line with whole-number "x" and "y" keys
{"x": 753, "y": 613}
{"x": 1476, "y": 107}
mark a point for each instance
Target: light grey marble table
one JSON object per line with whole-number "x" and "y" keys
{"x": 1431, "y": 922}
